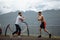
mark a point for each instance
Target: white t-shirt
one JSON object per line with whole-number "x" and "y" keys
{"x": 18, "y": 19}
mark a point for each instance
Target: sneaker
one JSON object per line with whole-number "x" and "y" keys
{"x": 39, "y": 36}
{"x": 12, "y": 34}
{"x": 19, "y": 36}
{"x": 49, "y": 35}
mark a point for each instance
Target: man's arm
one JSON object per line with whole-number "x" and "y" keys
{"x": 38, "y": 18}
{"x": 22, "y": 18}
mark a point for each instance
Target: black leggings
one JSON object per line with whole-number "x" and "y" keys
{"x": 18, "y": 29}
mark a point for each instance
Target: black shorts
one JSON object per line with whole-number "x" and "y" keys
{"x": 42, "y": 25}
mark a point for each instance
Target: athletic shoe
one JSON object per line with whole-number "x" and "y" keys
{"x": 49, "y": 35}
{"x": 19, "y": 36}
{"x": 39, "y": 36}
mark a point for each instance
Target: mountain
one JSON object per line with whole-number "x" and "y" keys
{"x": 52, "y": 18}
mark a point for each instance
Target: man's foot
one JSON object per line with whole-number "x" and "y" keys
{"x": 12, "y": 34}
{"x": 39, "y": 36}
{"x": 49, "y": 35}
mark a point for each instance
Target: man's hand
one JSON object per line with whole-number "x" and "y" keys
{"x": 21, "y": 19}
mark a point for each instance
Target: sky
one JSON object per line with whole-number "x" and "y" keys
{"x": 24, "y": 5}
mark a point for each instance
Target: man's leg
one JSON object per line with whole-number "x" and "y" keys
{"x": 40, "y": 33}
{"x": 47, "y": 32}
{"x": 16, "y": 30}
{"x": 19, "y": 32}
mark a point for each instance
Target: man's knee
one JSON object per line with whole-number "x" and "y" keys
{"x": 45, "y": 30}
{"x": 40, "y": 29}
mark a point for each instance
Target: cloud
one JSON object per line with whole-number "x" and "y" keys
{"x": 51, "y": 5}
{"x": 48, "y": 5}
{"x": 23, "y": 5}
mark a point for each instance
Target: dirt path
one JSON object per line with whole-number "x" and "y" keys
{"x": 23, "y": 37}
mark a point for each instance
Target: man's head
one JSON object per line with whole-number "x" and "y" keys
{"x": 20, "y": 13}
{"x": 39, "y": 13}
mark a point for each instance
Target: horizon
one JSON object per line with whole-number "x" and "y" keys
{"x": 28, "y": 10}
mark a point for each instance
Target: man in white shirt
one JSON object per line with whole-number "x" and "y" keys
{"x": 19, "y": 19}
